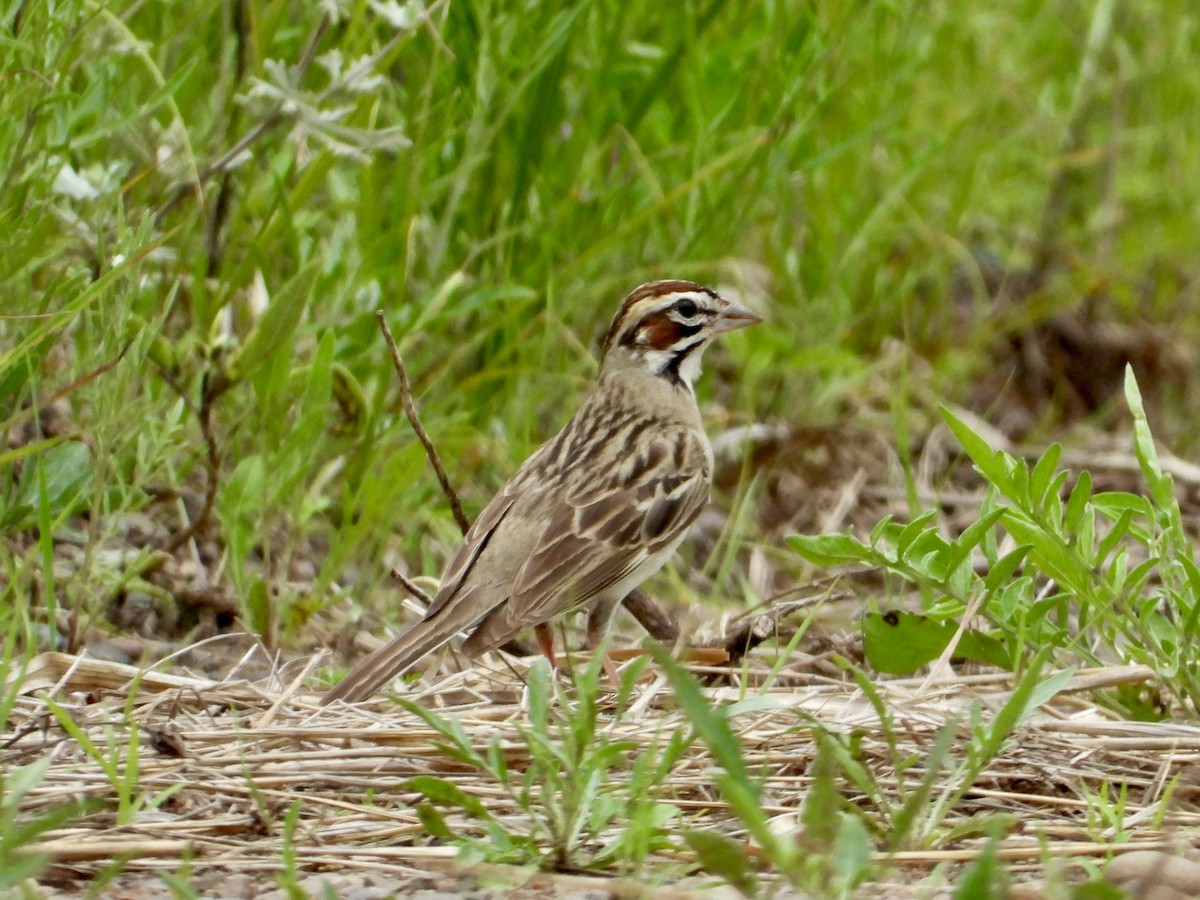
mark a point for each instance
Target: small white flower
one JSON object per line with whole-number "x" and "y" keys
{"x": 74, "y": 185}
{"x": 399, "y": 16}
{"x": 257, "y": 298}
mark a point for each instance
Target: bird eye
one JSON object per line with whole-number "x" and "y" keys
{"x": 687, "y": 307}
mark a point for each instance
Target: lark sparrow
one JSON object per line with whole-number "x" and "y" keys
{"x": 596, "y": 510}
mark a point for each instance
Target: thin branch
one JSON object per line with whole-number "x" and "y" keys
{"x": 410, "y": 410}
{"x": 412, "y": 587}
{"x": 651, "y": 616}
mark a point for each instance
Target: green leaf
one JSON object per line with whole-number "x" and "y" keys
{"x": 274, "y": 329}
{"x": 1115, "y": 535}
{"x": 1042, "y": 474}
{"x": 898, "y": 643}
{"x": 985, "y": 878}
{"x": 439, "y": 790}
{"x": 852, "y": 851}
{"x": 257, "y": 603}
{"x": 818, "y": 815}
{"x": 740, "y": 790}
{"x": 434, "y": 822}
{"x": 1161, "y": 488}
{"x": 1080, "y": 494}
{"x": 985, "y": 648}
{"x": 1004, "y": 568}
{"x": 1054, "y": 558}
{"x": 1030, "y": 693}
{"x": 829, "y": 549}
{"x": 992, "y": 464}
{"x": 724, "y": 857}
{"x": 66, "y": 468}
{"x": 972, "y": 536}
{"x": 351, "y": 400}
{"x": 914, "y": 530}
{"x": 17, "y": 453}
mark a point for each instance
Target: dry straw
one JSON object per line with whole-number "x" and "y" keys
{"x": 249, "y": 750}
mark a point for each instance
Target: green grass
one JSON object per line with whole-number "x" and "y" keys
{"x": 495, "y": 176}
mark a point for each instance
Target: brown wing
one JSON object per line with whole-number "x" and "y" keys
{"x": 599, "y": 534}
{"x": 518, "y": 491}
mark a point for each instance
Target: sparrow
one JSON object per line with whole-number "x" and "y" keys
{"x": 598, "y": 508}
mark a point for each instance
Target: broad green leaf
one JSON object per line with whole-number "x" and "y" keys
{"x": 65, "y": 468}
{"x": 829, "y": 549}
{"x": 898, "y": 643}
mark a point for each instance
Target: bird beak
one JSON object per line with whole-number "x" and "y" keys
{"x": 734, "y": 317}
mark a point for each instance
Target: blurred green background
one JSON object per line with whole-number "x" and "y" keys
{"x": 204, "y": 203}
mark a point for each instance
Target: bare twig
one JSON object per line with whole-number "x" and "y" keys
{"x": 651, "y": 617}
{"x": 410, "y": 410}
{"x": 412, "y": 587}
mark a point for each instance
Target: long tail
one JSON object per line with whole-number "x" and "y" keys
{"x": 402, "y": 652}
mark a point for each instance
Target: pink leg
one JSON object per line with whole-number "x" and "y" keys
{"x": 545, "y": 642}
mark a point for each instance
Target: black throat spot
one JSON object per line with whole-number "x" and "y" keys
{"x": 670, "y": 369}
